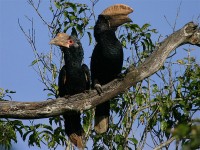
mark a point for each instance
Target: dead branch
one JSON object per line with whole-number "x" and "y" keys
{"x": 189, "y": 34}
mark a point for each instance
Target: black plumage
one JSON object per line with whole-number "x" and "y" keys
{"x": 74, "y": 78}
{"x": 107, "y": 57}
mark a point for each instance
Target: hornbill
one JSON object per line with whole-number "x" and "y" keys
{"x": 107, "y": 56}
{"x": 74, "y": 78}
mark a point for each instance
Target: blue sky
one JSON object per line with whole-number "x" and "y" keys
{"x": 16, "y": 54}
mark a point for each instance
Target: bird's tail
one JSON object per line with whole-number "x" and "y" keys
{"x": 74, "y": 130}
{"x": 102, "y": 114}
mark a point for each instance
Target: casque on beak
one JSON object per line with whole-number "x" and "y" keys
{"x": 117, "y": 14}
{"x": 61, "y": 39}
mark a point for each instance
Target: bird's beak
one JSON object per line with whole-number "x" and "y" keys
{"x": 117, "y": 14}
{"x": 121, "y": 19}
{"x": 60, "y": 40}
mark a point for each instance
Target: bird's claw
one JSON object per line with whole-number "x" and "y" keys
{"x": 98, "y": 88}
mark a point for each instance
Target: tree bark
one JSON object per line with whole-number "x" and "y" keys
{"x": 189, "y": 34}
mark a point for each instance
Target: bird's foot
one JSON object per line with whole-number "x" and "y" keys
{"x": 98, "y": 88}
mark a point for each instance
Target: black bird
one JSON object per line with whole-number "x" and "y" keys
{"x": 107, "y": 57}
{"x": 74, "y": 78}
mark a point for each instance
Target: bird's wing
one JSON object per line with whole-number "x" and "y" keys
{"x": 62, "y": 80}
{"x": 87, "y": 75}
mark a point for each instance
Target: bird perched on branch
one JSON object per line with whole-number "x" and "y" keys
{"x": 107, "y": 56}
{"x": 74, "y": 78}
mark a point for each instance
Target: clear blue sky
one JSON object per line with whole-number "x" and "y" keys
{"x": 16, "y": 54}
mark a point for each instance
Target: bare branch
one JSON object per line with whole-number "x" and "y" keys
{"x": 31, "y": 2}
{"x": 165, "y": 143}
{"x": 189, "y": 34}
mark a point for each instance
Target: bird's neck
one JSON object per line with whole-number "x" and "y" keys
{"x": 109, "y": 46}
{"x": 106, "y": 36}
{"x": 73, "y": 60}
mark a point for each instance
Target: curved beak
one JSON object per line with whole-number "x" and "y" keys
{"x": 118, "y": 20}
{"x": 60, "y": 40}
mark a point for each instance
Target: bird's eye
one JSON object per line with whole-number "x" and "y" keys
{"x": 71, "y": 42}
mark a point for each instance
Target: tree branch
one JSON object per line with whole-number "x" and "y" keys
{"x": 189, "y": 34}
{"x": 165, "y": 143}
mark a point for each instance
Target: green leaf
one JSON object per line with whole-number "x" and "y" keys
{"x": 180, "y": 61}
{"x": 57, "y": 4}
{"x": 25, "y": 135}
{"x": 119, "y": 138}
{"x": 50, "y": 94}
{"x": 79, "y": 28}
{"x": 48, "y": 127}
{"x": 90, "y": 37}
{"x": 66, "y": 14}
{"x": 145, "y": 26}
{"x": 120, "y": 147}
{"x": 72, "y": 18}
{"x": 154, "y": 30}
{"x": 51, "y": 9}
{"x": 155, "y": 88}
{"x": 12, "y": 92}
{"x": 124, "y": 43}
{"x": 73, "y": 6}
{"x": 34, "y": 62}
{"x": 81, "y": 10}
{"x": 163, "y": 125}
{"x": 148, "y": 35}
{"x": 134, "y": 140}
{"x": 19, "y": 130}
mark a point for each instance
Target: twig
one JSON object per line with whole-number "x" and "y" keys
{"x": 177, "y": 15}
{"x": 37, "y": 11}
{"x": 164, "y": 143}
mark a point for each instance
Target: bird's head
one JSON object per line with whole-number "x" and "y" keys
{"x": 114, "y": 16}
{"x": 70, "y": 46}
{"x": 65, "y": 41}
